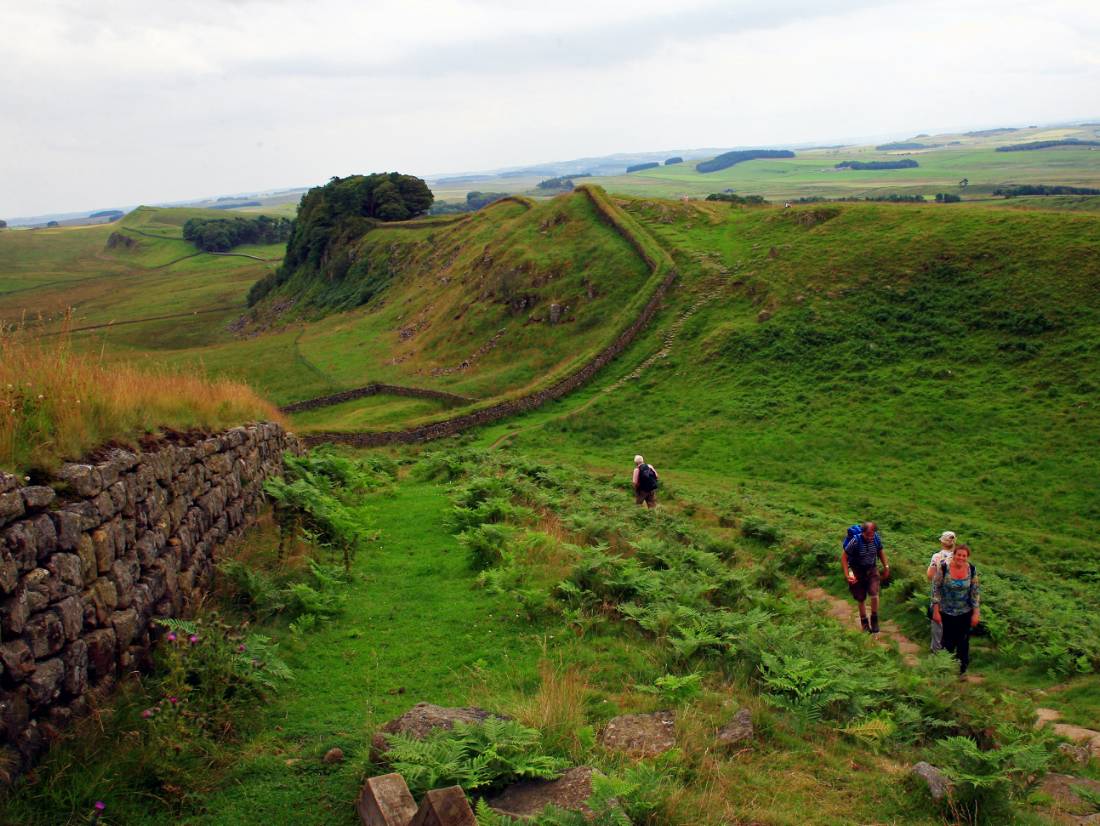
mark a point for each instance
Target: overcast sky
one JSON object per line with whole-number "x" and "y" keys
{"x": 119, "y": 102}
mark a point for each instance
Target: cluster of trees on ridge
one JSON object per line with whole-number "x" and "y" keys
{"x": 906, "y": 163}
{"x": 947, "y": 198}
{"x": 673, "y": 160}
{"x": 1044, "y": 189}
{"x": 332, "y": 216}
{"x": 638, "y": 167}
{"x": 731, "y": 198}
{"x": 1025, "y": 147}
{"x": 728, "y": 159}
{"x": 222, "y": 234}
{"x": 885, "y": 147}
{"x": 892, "y": 198}
{"x": 564, "y": 182}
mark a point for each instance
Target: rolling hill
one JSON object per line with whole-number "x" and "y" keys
{"x": 929, "y": 366}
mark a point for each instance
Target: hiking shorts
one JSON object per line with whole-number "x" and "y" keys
{"x": 646, "y": 497}
{"x": 867, "y": 583}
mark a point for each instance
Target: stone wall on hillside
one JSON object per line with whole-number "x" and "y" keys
{"x": 512, "y": 407}
{"x": 373, "y": 390}
{"x": 89, "y": 561}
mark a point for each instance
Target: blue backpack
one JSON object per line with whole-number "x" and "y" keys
{"x": 853, "y": 532}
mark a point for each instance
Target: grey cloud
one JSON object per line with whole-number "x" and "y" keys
{"x": 586, "y": 47}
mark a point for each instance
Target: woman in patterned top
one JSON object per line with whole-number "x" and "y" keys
{"x": 956, "y": 604}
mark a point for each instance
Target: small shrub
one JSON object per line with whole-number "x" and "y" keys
{"x": 756, "y": 528}
{"x": 485, "y": 544}
{"x": 676, "y": 690}
{"x": 986, "y": 780}
{"x": 489, "y": 755}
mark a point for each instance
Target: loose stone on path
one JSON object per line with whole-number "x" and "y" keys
{"x": 642, "y": 735}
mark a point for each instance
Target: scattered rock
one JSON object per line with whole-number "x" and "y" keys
{"x": 642, "y": 735}
{"x": 738, "y": 730}
{"x": 1078, "y": 754}
{"x": 423, "y": 718}
{"x": 1059, "y": 788}
{"x": 529, "y": 797}
{"x": 938, "y": 784}
{"x": 334, "y": 755}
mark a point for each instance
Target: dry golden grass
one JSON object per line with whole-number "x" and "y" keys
{"x": 57, "y": 404}
{"x": 557, "y": 708}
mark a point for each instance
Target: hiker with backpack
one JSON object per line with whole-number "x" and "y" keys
{"x": 859, "y": 564}
{"x": 956, "y": 603}
{"x": 646, "y": 481}
{"x": 944, "y": 554}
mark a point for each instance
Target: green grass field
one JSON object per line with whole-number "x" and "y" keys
{"x": 811, "y": 174}
{"x": 928, "y": 366}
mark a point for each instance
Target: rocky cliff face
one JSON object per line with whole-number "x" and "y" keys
{"x": 89, "y": 561}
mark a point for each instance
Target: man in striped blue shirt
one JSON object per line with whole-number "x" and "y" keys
{"x": 859, "y": 562}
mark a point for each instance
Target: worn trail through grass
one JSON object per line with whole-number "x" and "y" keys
{"x": 415, "y": 629}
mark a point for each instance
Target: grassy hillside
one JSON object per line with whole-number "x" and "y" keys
{"x": 58, "y": 405}
{"x": 152, "y": 274}
{"x": 929, "y": 367}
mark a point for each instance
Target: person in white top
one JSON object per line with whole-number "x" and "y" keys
{"x": 940, "y": 557}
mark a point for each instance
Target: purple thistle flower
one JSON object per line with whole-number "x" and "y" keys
{"x": 100, "y": 805}
{"x": 171, "y": 636}
{"x": 194, "y": 638}
{"x": 241, "y": 648}
{"x": 173, "y": 700}
{"x": 148, "y": 713}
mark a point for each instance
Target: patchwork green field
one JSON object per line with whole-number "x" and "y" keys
{"x": 943, "y": 162}
{"x": 928, "y": 366}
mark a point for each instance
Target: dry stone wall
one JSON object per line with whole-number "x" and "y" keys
{"x": 90, "y": 560}
{"x": 663, "y": 273}
{"x": 374, "y": 390}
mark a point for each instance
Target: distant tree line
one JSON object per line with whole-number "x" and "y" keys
{"x": 237, "y": 205}
{"x": 111, "y": 214}
{"x": 728, "y": 159}
{"x": 906, "y": 163}
{"x": 1044, "y": 189}
{"x": 886, "y": 147}
{"x": 893, "y": 198}
{"x": 673, "y": 160}
{"x": 563, "y": 182}
{"x": 222, "y": 234}
{"x": 732, "y": 198}
{"x": 1025, "y": 147}
{"x": 947, "y": 198}
{"x": 638, "y": 167}
{"x": 474, "y": 202}
{"x": 3, "y": 224}
{"x": 480, "y": 200}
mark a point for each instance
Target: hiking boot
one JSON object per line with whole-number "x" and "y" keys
{"x": 874, "y": 623}
{"x": 865, "y": 625}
